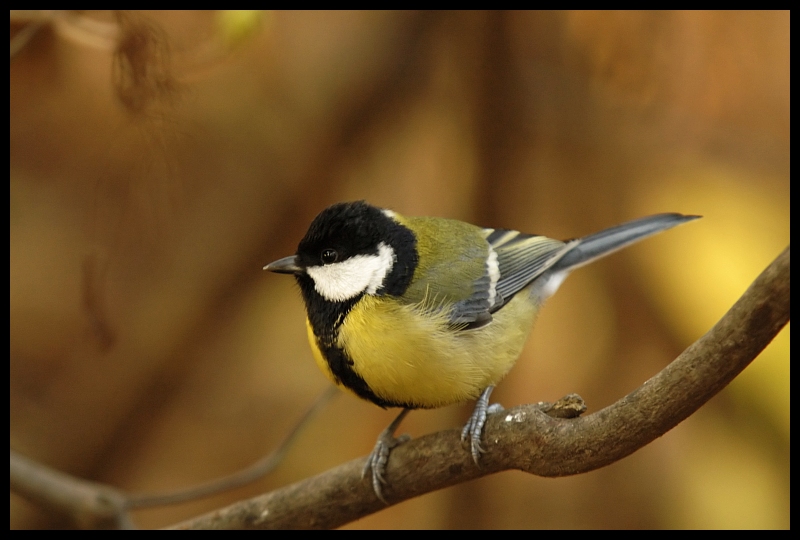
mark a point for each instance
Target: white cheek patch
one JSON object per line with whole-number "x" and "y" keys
{"x": 347, "y": 279}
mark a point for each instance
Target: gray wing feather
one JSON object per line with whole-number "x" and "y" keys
{"x": 475, "y": 310}
{"x": 521, "y": 258}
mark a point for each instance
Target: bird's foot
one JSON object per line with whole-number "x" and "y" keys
{"x": 379, "y": 456}
{"x": 474, "y": 427}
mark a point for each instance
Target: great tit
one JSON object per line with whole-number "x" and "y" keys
{"x": 423, "y": 312}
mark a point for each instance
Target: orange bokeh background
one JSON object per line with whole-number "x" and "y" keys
{"x": 149, "y": 350}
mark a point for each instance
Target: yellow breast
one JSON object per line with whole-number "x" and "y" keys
{"x": 409, "y": 354}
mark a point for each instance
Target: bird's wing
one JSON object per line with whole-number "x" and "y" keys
{"x": 510, "y": 261}
{"x": 515, "y": 260}
{"x": 484, "y": 276}
{"x": 476, "y": 309}
{"x": 522, "y": 258}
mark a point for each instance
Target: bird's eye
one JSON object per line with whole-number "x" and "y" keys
{"x": 328, "y": 256}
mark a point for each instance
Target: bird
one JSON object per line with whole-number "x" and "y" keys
{"x": 425, "y": 312}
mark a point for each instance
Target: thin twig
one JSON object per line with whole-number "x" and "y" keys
{"x": 99, "y": 506}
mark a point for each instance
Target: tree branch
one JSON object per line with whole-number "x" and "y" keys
{"x": 524, "y": 438}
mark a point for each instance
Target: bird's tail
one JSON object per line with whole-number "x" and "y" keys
{"x": 595, "y": 246}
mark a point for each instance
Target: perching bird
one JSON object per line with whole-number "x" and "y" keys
{"x": 424, "y": 312}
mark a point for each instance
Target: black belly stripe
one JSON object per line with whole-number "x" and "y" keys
{"x": 326, "y": 318}
{"x": 342, "y": 368}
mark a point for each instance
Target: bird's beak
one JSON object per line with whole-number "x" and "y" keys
{"x": 287, "y": 265}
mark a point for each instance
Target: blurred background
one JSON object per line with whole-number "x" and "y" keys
{"x": 159, "y": 159}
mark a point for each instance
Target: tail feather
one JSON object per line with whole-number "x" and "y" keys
{"x": 595, "y": 246}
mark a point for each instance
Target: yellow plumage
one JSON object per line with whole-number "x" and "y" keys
{"x": 423, "y": 361}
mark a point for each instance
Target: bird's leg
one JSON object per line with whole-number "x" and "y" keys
{"x": 474, "y": 426}
{"x": 380, "y": 454}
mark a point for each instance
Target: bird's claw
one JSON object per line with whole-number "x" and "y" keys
{"x": 473, "y": 429}
{"x": 379, "y": 456}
